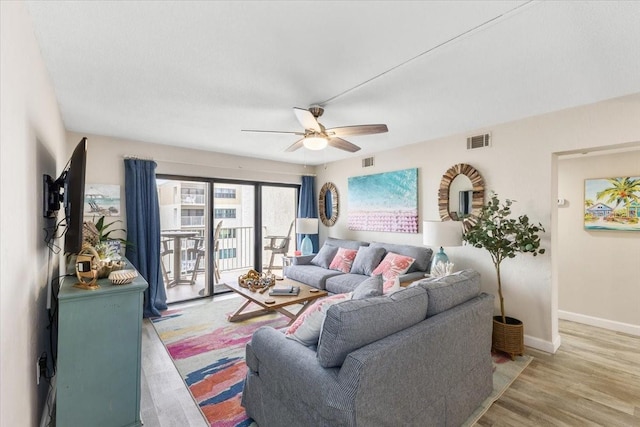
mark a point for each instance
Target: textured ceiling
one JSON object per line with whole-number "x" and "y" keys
{"x": 193, "y": 74}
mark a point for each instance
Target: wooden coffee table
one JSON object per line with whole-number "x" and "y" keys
{"x": 305, "y": 297}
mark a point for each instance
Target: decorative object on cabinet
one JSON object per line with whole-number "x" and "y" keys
{"x": 384, "y": 202}
{"x": 87, "y": 265}
{"x": 328, "y": 204}
{"x": 612, "y": 204}
{"x": 476, "y": 199}
{"x": 122, "y": 277}
{"x": 505, "y": 237}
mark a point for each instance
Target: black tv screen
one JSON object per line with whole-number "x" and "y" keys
{"x": 74, "y": 198}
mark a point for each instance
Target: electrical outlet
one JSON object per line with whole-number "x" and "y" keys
{"x": 41, "y": 368}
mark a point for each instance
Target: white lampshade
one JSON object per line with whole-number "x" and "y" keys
{"x": 315, "y": 142}
{"x": 307, "y": 225}
{"x": 442, "y": 233}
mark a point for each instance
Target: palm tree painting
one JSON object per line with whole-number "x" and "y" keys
{"x": 612, "y": 204}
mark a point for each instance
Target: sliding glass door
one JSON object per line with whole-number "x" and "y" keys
{"x": 279, "y": 206}
{"x": 212, "y": 231}
{"x": 184, "y": 237}
{"x": 234, "y": 216}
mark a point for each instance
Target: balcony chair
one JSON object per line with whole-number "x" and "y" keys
{"x": 165, "y": 250}
{"x": 198, "y": 250}
{"x": 278, "y": 245}
{"x": 216, "y": 248}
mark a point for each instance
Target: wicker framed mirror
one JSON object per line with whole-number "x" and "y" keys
{"x": 328, "y": 203}
{"x": 474, "y": 195}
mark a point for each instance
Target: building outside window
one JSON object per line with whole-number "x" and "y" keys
{"x": 224, "y": 193}
{"x": 224, "y": 213}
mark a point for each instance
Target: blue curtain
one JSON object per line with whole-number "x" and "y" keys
{"x": 143, "y": 230}
{"x": 308, "y": 207}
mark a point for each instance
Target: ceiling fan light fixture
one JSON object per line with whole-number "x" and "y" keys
{"x": 315, "y": 142}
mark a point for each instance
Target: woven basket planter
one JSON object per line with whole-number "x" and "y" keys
{"x": 508, "y": 337}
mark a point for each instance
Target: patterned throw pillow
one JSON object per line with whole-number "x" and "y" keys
{"x": 324, "y": 256}
{"x": 391, "y": 267}
{"x": 306, "y": 328}
{"x": 343, "y": 260}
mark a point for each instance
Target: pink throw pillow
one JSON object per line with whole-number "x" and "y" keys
{"x": 306, "y": 328}
{"x": 343, "y": 260}
{"x": 391, "y": 267}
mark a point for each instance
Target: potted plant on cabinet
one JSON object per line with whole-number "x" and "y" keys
{"x": 98, "y": 235}
{"x": 505, "y": 237}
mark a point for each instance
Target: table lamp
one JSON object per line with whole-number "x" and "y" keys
{"x": 441, "y": 233}
{"x": 306, "y": 226}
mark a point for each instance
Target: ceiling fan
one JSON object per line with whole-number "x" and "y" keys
{"x": 317, "y": 137}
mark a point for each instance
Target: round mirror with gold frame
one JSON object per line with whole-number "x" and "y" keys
{"x": 328, "y": 204}
{"x": 476, "y": 193}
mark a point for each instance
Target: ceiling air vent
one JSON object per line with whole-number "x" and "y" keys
{"x": 367, "y": 163}
{"x": 478, "y": 141}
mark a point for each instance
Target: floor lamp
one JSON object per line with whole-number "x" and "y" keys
{"x": 306, "y": 226}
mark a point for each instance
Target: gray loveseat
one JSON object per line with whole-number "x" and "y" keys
{"x": 313, "y": 270}
{"x": 418, "y": 357}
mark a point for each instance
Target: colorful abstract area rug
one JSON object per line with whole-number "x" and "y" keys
{"x": 208, "y": 352}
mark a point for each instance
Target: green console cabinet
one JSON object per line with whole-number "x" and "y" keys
{"x": 99, "y": 346}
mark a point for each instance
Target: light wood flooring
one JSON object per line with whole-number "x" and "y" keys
{"x": 593, "y": 379}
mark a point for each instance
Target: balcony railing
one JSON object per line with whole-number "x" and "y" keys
{"x": 192, "y": 199}
{"x": 242, "y": 240}
{"x": 192, "y": 221}
{"x": 235, "y": 252}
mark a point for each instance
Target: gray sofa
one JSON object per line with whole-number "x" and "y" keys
{"x": 418, "y": 357}
{"x": 313, "y": 270}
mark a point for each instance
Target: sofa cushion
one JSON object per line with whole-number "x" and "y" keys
{"x": 371, "y": 287}
{"x": 345, "y": 243}
{"x": 356, "y": 323}
{"x": 448, "y": 291}
{"x": 325, "y": 255}
{"x": 393, "y": 265}
{"x": 306, "y": 328}
{"x": 311, "y": 275}
{"x": 341, "y": 283}
{"x": 367, "y": 259}
{"x": 421, "y": 255}
{"x": 343, "y": 260}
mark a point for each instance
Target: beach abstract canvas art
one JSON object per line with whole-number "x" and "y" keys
{"x": 384, "y": 202}
{"x": 612, "y": 204}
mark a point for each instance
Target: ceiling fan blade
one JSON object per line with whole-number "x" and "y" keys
{"x": 272, "y": 131}
{"x": 295, "y": 145}
{"x": 357, "y": 130}
{"x": 343, "y": 145}
{"x": 306, "y": 119}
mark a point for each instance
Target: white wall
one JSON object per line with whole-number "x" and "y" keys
{"x": 519, "y": 165}
{"x": 598, "y": 271}
{"x": 105, "y": 163}
{"x": 32, "y": 143}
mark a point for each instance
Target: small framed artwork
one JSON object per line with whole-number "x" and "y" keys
{"x": 101, "y": 200}
{"x": 612, "y": 203}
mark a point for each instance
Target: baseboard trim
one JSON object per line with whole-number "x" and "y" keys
{"x": 542, "y": 345}
{"x": 612, "y": 325}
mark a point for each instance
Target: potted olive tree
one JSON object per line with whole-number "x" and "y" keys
{"x": 505, "y": 237}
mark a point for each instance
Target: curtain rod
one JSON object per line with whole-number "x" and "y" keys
{"x": 135, "y": 157}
